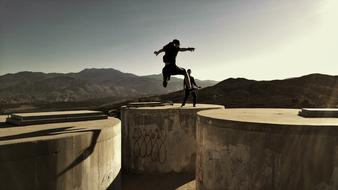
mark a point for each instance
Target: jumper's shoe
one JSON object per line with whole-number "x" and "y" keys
{"x": 165, "y": 83}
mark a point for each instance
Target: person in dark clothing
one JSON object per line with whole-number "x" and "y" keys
{"x": 187, "y": 91}
{"x": 171, "y": 50}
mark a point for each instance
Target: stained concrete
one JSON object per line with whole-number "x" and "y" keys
{"x": 160, "y": 139}
{"x": 64, "y": 156}
{"x": 266, "y": 149}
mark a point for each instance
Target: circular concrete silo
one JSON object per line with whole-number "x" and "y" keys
{"x": 82, "y": 155}
{"x": 160, "y": 139}
{"x": 266, "y": 149}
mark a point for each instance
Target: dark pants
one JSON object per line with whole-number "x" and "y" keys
{"x": 172, "y": 69}
{"x": 186, "y": 95}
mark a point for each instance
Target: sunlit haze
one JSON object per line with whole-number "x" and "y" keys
{"x": 255, "y": 39}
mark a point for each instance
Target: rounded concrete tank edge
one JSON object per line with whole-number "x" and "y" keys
{"x": 89, "y": 155}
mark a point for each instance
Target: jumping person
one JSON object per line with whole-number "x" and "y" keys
{"x": 187, "y": 91}
{"x": 171, "y": 50}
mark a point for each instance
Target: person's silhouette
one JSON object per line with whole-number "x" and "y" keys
{"x": 171, "y": 50}
{"x": 187, "y": 91}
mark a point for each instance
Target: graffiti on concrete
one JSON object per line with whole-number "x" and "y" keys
{"x": 150, "y": 143}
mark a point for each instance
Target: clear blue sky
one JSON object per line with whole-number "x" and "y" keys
{"x": 256, "y": 39}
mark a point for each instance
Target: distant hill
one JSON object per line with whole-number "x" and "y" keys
{"x": 315, "y": 90}
{"x": 89, "y": 84}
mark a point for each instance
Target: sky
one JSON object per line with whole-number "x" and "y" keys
{"x": 255, "y": 39}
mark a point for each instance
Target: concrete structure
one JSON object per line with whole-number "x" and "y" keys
{"x": 82, "y": 155}
{"x": 319, "y": 112}
{"x": 54, "y": 117}
{"x": 149, "y": 104}
{"x": 266, "y": 149}
{"x": 160, "y": 139}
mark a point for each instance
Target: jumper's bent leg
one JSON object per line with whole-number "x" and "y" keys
{"x": 165, "y": 78}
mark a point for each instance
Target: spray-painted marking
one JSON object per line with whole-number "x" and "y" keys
{"x": 150, "y": 143}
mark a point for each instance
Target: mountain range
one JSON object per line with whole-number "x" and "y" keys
{"x": 107, "y": 89}
{"x": 89, "y": 84}
{"x": 314, "y": 90}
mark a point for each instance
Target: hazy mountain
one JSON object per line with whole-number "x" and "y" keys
{"x": 315, "y": 90}
{"x": 89, "y": 84}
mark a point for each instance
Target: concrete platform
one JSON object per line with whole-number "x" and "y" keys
{"x": 271, "y": 149}
{"x": 160, "y": 139}
{"x": 273, "y": 117}
{"x": 82, "y": 155}
{"x": 149, "y": 104}
{"x": 319, "y": 112}
{"x": 54, "y": 117}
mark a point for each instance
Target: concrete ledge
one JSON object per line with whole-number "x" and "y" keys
{"x": 54, "y": 117}
{"x": 148, "y": 104}
{"x": 160, "y": 139}
{"x": 319, "y": 112}
{"x": 266, "y": 149}
{"x": 74, "y": 155}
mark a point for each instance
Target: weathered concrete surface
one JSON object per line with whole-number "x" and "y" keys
{"x": 74, "y": 155}
{"x": 266, "y": 149}
{"x": 160, "y": 139}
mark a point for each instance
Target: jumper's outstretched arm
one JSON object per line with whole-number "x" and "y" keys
{"x": 187, "y": 49}
{"x": 158, "y": 52}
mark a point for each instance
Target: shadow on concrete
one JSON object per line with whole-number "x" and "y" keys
{"x": 62, "y": 130}
{"x": 86, "y": 153}
{"x": 45, "y": 132}
{"x": 171, "y": 181}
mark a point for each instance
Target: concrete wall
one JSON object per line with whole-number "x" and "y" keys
{"x": 160, "y": 139}
{"x": 65, "y": 156}
{"x": 257, "y": 149}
